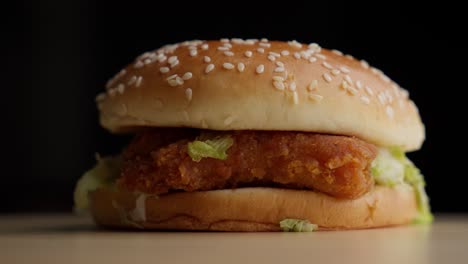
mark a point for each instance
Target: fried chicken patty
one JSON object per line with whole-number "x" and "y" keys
{"x": 157, "y": 162}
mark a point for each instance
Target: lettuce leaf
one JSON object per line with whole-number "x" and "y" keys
{"x": 210, "y": 148}
{"x": 391, "y": 167}
{"x": 103, "y": 174}
{"x": 297, "y": 225}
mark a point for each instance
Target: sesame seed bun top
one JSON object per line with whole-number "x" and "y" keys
{"x": 260, "y": 85}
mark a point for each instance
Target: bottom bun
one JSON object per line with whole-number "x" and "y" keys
{"x": 252, "y": 209}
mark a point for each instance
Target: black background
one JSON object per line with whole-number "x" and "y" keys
{"x": 60, "y": 53}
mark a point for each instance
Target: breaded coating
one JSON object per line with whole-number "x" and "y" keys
{"x": 335, "y": 165}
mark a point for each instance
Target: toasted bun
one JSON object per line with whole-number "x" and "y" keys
{"x": 252, "y": 209}
{"x": 259, "y": 85}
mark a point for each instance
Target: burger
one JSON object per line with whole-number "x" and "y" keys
{"x": 256, "y": 135}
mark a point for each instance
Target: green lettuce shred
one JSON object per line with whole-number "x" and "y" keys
{"x": 387, "y": 170}
{"x": 297, "y": 225}
{"x": 414, "y": 178}
{"x": 103, "y": 174}
{"x": 392, "y": 167}
{"x": 210, "y": 148}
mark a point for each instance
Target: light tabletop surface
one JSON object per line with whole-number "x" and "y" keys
{"x": 72, "y": 239}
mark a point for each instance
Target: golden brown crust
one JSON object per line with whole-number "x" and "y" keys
{"x": 253, "y": 209}
{"x": 322, "y": 91}
{"x": 335, "y": 165}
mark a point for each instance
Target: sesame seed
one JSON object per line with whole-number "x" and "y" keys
{"x": 321, "y": 56}
{"x": 285, "y": 52}
{"x": 313, "y": 46}
{"x": 279, "y": 64}
{"x": 352, "y": 90}
{"x": 172, "y": 59}
{"x": 278, "y": 78}
{"x": 337, "y": 52}
{"x": 206, "y": 59}
{"x": 327, "y": 65}
{"x": 292, "y": 86}
{"x": 385, "y": 78}
{"x": 335, "y": 72}
{"x": 144, "y": 55}
{"x": 120, "y": 88}
{"x": 274, "y": 54}
{"x": 279, "y": 69}
{"x": 260, "y": 68}
{"x": 240, "y": 67}
{"x": 187, "y": 76}
{"x": 112, "y": 92}
{"x": 164, "y": 69}
{"x": 237, "y": 41}
{"x": 148, "y": 61}
{"x": 295, "y": 44}
{"x": 389, "y": 96}
{"x": 266, "y": 45}
{"x": 375, "y": 70}
{"x": 364, "y": 64}
{"x": 344, "y": 69}
{"x": 312, "y": 59}
{"x": 228, "y": 66}
{"x": 381, "y": 97}
{"x": 171, "y": 77}
{"x": 248, "y": 54}
{"x": 313, "y": 85}
{"x": 174, "y": 63}
{"x": 348, "y": 79}
{"x": 271, "y": 57}
{"x": 138, "y": 64}
{"x": 389, "y": 111}
{"x": 369, "y": 90}
{"x": 404, "y": 93}
{"x": 297, "y": 55}
{"x": 138, "y": 81}
{"x": 261, "y": 50}
{"x": 228, "y": 45}
{"x": 209, "y": 68}
{"x": 188, "y": 94}
{"x": 100, "y": 97}
{"x": 229, "y": 53}
{"x": 224, "y": 40}
{"x": 349, "y": 57}
{"x": 173, "y": 82}
{"x": 295, "y": 98}
{"x": 327, "y": 77}
{"x": 344, "y": 85}
{"x": 315, "y": 97}
{"x": 359, "y": 85}
{"x": 395, "y": 89}
{"x": 222, "y": 48}
{"x": 250, "y": 41}
{"x": 304, "y": 55}
{"x": 204, "y": 46}
{"x": 193, "y": 52}
{"x": 401, "y": 103}
{"x": 278, "y": 85}
{"x": 179, "y": 80}
{"x": 229, "y": 120}
{"x": 365, "y": 99}
{"x": 162, "y": 59}
{"x": 132, "y": 80}
{"x": 264, "y": 40}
